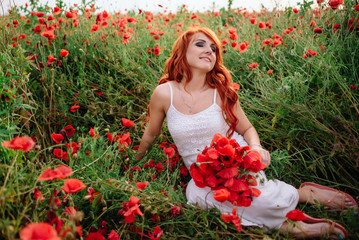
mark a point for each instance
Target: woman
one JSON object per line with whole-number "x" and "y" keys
{"x": 196, "y": 97}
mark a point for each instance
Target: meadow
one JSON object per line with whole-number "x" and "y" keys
{"x": 78, "y": 82}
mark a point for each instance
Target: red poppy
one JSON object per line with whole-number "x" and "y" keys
{"x": 95, "y": 236}
{"x": 335, "y": 3}
{"x": 252, "y": 162}
{"x": 69, "y": 130}
{"x": 95, "y": 27}
{"x": 157, "y": 233}
{"x": 24, "y": 143}
{"x": 63, "y": 171}
{"x": 73, "y": 147}
{"x": 142, "y": 185}
{"x": 38, "y": 195}
{"x": 335, "y": 27}
{"x": 243, "y": 47}
{"x": 64, "y": 53}
{"x": 175, "y": 210}
{"x": 159, "y": 167}
{"x": 318, "y": 30}
{"x": 312, "y": 23}
{"x": 253, "y": 65}
{"x": 253, "y": 20}
{"x": 261, "y": 25}
{"x": 74, "y": 108}
{"x": 232, "y": 218}
{"x": 36, "y": 231}
{"x": 113, "y": 235}
{"x": 235, "y": 86}
{"x": 73, "y": 185}
{"x": 156, "y": 51}
{"x": 296, "y": 215}
{"x": 170, "y": 152}
{"x": 57, "y": 137}
{"x": 127, "y": 123}
{"x": 56, "y": 11}
{"x": 60, "y": 154}
{"x": 357, "y": 7}
{"x": 130, "y": 209}
{"x": 48, "y": 34}
{"x": 92, "y": 132}
{"x": 270, "y": 71}
{"x": 221, "y": 195}
{"x": 295, "y": 10}
{"x": 47, "y": 175}
{"x": 50, "y": 59}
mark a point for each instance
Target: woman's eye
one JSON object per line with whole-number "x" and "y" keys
{"x": 199, "y": 44}
{"x": 213, "y": 48}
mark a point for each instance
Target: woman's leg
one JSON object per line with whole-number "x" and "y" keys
{"x": 332, "y": 199}
{"x": 300, "y": 230}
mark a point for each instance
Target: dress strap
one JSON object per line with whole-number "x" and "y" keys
{"x": 169, "y": 84}
{"x": 214, "y": 97}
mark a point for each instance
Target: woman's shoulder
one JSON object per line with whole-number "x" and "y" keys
{"x": 162, "y": 94}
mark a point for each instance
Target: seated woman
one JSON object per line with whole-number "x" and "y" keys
{"x": 196, "y": 97}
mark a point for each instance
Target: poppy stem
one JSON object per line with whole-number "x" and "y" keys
{"x": 8, "y": 173}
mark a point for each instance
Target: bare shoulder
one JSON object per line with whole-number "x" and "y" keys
{"x": 161, "y": 96}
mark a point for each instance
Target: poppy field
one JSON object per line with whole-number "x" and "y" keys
{"x": 75, "y": 87}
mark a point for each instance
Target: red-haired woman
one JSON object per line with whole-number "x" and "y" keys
{"x": 196, "y": 96}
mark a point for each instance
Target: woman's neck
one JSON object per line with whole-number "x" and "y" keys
{"x": 196, "y": 84}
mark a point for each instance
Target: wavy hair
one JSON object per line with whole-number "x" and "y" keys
{"x": 178, "y": 69}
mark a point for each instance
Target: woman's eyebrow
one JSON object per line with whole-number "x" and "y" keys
{"x": 202, "y": 40}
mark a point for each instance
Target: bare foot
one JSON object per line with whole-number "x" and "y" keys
{"x": 300, "y": 230}
{"x": 329, "y": 197}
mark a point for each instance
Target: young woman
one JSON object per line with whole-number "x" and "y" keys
{"x": 196, "y": 97}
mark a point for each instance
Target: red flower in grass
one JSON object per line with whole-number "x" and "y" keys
{"x": 175, "y": 210}
{"x": 60, "y": 172}
{"x": 95, "y": 27}
{"x": 157, "y": 233}
{"x": 127, "y": 123}
{"x": 156, "y": 50}
{"x": 261, "y": 25}
{"x": 95, "y": 236}
{"x": 57, "y": 138}
{"x": 74, "y": 108}
{"x": 253, "y": 20}
{"x": 60, "y": 154}
{"x": 235, "y": 86}
{"x": 113, "y": 235}
{"x": 170, "y": 152}
{"x": 142, "y": 185}
{"x": 69, "y": 130}
{"x": 50, "y": 59}
{"x": 243, "y": 47}
{"x": 73, "y": 185}
{"x": 92, "y": 132}
{"x": 37, "y": 231}
{"x": 24, "y": 143}
{"x": 334, "y": 4}
{"x": 296, "y": 215}
{"x": 253, "y": 65}
{"x": 318, "y": 30}
{"x": 310, "y": 53}
{"x": 130, "y": 209}
{"x": 56, "y": 11}
{"x": 38, "y": 195}
{"x": 232, "y": 218}
{"x": 64, "y": 53}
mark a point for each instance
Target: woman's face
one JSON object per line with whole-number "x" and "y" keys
{"x": 201, "y": 53}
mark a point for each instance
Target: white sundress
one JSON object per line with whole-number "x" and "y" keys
{"x": 191, "y": 133}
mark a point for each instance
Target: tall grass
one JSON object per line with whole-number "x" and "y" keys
{"x": 306, "y": 112}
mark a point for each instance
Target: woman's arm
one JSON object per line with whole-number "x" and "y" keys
{"x": 246, "y": 129}
{"x": 158, "y": 102}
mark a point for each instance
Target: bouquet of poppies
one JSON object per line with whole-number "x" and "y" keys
{"x": 227, "y": 169}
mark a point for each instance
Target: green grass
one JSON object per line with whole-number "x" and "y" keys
{"x": 306, "y": 113}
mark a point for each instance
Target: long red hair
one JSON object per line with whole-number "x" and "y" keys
{"x": 177, "y": 69}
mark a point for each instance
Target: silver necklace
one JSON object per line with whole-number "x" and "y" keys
{"x": 194, "y": 102}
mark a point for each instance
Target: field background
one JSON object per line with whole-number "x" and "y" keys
{"x": 305, "y": 110}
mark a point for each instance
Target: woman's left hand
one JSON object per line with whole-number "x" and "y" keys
{"x": 265, "y": 156}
